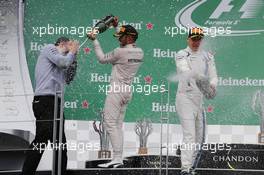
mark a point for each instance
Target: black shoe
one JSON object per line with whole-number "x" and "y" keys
{"x": 112, "y": 164}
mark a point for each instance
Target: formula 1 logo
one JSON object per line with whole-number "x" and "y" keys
{"x": 234, "y": 17}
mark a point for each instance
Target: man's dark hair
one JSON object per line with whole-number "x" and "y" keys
{"x": 61, "y": 39}
{"x": 127, "y": 30}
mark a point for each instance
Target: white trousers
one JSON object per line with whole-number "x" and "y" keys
{"x": 114, "y": 112}
{"x": 191, "y": 118}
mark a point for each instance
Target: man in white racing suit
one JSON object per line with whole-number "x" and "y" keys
{"x": 193, "y": 63}
{"x": 125, "y": 61}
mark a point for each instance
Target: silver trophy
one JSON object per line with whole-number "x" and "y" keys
{"x": 104, "y": 139}
{"x": 258, "y": 108}
{"x": 143, "y": 129}
{"x": 203, "y": 84}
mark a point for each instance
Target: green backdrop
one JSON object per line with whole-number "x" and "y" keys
{"x": 237, "y": 56}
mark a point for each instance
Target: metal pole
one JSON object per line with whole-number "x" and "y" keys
{"x": 61, "y": 129}
{"x": 164, "y": 119}
{"x": 161, "y": 133}
{"x": 168, "y": 125}
{"x": 54, "y": 130}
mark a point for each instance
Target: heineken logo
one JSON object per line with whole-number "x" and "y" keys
{"x": 233, "y": 17}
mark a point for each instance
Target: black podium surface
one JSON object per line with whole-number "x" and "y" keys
{"x": 242, "y": 159}
{"x": 238, "y": 156}
{"x": 13, "y": 144}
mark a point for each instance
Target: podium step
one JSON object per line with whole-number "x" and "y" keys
{"x": 213, "y": 156}
{"x": 145, "y": 171}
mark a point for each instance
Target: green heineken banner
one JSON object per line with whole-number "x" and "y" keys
{"x": 235, "y": 35}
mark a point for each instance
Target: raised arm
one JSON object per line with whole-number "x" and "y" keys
{"x": 107, "y": 58}
{"x": 60, "y": 60}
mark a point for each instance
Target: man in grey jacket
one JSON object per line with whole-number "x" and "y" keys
{"x": 125, "y": 61}
{"x": 50, "y": 73}
{"x": 193, "y": 64}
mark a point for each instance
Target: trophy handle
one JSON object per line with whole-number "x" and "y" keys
{"x": 99, "y": 132}
{"x": 143, "y": 129}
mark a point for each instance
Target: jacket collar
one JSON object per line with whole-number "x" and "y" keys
{"x": 133, "y": 45}
{"x": 188, "y": 49}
